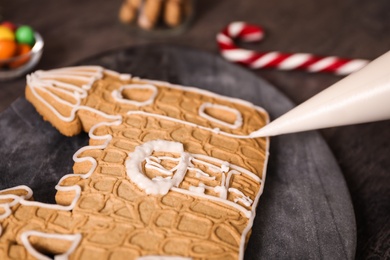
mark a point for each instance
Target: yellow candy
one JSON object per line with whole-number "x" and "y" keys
{"x": 6, "y": 34}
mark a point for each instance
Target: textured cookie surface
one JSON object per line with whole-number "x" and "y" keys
{"x": 170, "y": 171}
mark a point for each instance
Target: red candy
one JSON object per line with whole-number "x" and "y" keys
{"x": 9, "y": 25}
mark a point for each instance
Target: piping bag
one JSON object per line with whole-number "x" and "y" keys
{"x": 361, "y": 97}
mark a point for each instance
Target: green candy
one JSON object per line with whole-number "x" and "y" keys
{"x": 25, "y": 34}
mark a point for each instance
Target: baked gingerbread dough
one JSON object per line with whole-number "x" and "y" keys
{"x": 170, "y": 172}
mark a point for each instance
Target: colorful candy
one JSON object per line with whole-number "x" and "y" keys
{"x": 9, "y": 25}
{"x": 25, "y": 34}
{"x": 22, "y": 50}
{"x": 15, "y": 42}
{"x": 7, "y": 49}
{"x": 6, "y": 33}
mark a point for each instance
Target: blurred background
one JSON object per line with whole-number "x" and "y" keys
{"x": 75, "y": 30}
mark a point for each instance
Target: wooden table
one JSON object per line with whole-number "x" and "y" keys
{"x": 75, "y": 30}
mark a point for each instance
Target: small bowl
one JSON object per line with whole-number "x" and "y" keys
{"x": 33, "y": 58}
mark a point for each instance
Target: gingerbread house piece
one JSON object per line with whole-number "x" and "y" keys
{"x": 170, "y": 171}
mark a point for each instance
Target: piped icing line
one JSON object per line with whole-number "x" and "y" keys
{"x": 201, "y": 174}
{"x": 45, "y": 79}
{"x": 73, "y": 74}
{"x": 189, "y": 123}
{"x": 237, "y": 123}
{"x": 244, "y": 211}
{"x": 88, "y": 79}
{"x": 243, "y": 199}
{"x": 117, "y": 94}
{"x": 54, "y": 84}
{"x": 62, "y": 101}
{"x": 75, "y": 107}
{"x": 75, "y": 239}
{"x": 65, "y": 92}
{"x": 15, "y": 199}
{"x": 90, "y": 159}
{"x": 206, "y": 158}
{"x": 153, "y": 162}
{"x": 160, "y": 185}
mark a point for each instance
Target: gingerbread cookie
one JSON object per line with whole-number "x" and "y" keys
{"x": 170, "y": 172}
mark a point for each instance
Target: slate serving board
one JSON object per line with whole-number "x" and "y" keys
{"x": 305, "y": 211}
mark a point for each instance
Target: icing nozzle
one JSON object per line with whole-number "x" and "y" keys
{"x": 362, "y": 97}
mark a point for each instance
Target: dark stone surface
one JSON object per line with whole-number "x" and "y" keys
{"x": 32, "y": 152}
{"x": 305, "y": 211}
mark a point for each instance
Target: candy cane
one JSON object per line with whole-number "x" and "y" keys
{"x": 279, "y": 60}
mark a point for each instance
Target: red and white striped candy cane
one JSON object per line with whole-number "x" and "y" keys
{"x": 278, "y": 60}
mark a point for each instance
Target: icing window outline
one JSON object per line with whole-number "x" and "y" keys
{"x": 75, "y": 239}
{"x": 117, "y": 94}
{"x": 237, "y": 123}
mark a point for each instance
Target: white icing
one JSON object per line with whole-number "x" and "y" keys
{"x": 201, "y": 174}
{"x": 75, "y": 239}
{"x": 156, "y": 186}
{"x": 44, "y": 80}
{"x": 153, "y": 162}
{"x": 15, "y": 199}
{"x": 117, "y": 94}
{"x": 244, "y": 211}
{"x": 229, "y": 175}
{"x": 243, "y": 199}
{"x": 221, "y": 190}
{"x": 216, "y": 130}
{"x": 237, "y": 123}
{"x": 195, "y": 189}
{"x": 162, "y": 185}
{"x": 156, "y": 166}
{"x": 223, "y": 164}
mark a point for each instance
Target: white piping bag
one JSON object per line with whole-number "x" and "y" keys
{"x": 361, "y": 97}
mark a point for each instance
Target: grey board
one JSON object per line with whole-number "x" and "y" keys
{"x": 305, "y": 211}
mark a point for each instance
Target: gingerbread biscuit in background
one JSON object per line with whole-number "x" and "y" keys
{"x": 170, "y": 171}
{"x": 156, "y": 14}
